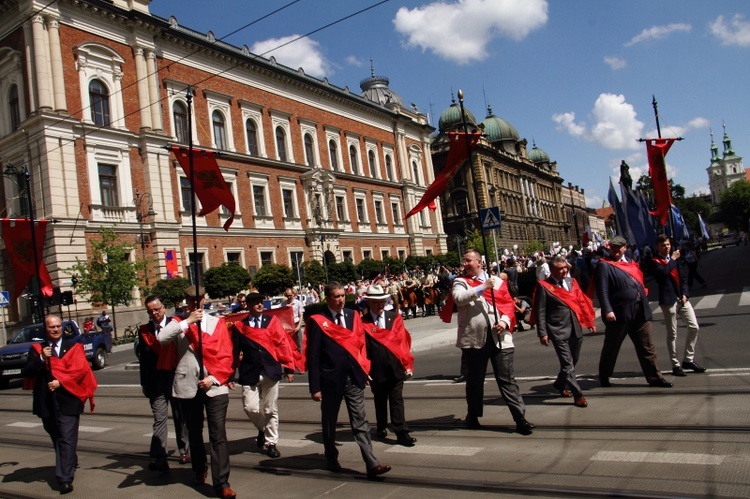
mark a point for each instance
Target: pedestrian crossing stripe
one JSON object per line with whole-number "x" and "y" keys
{"x": 436, "y": 450}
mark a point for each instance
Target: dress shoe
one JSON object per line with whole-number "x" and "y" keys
{"x": 200, "y": 477}
{"x": 66, "y": 488}
{"x": 381, "y": 434}
{"x": 333, "y": 466}
{"x": 380, "y": 469}
{"x": 226, "y": 493}
{"x": 460, "y": 379}
{"x": 524, "y": 427}
{"x": 693, "y": 366}
{"x": 565, "y": 393}
{"x": 604, "y": 382}
{"x": 580, "y": 402}
{"x": 405, "y": 439}
{"x": 185, "y": 458}
{"x": 160, "y": 464}
{"x": 273, "y": 452}
{"x": 472, "y": 422}
{"x": 660, "y": 383}
{"x": 261, "y": 440}
{"x": 678, "y": 371}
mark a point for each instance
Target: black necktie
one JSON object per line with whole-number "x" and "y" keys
{"x": 54, "y": 350}
{"x": 339, "y": 319}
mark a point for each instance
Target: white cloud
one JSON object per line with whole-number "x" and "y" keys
{"x": 303, "y": 53}
{"x": 615, "y": 62}
{"x": 566, "y": 123}
{"x": 353, "y": 61}
{"x": 460, "y": 31}
{"x": 658, "y": 32}
{"x": 594, "y": 201}
{"x": 614, "y": 123}
{"x": 733, "y": 32}
{"x": 697, "y": 123}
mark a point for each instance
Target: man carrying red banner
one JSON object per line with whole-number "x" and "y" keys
{"x": 338, "y": 369}
{"x": 389, "y": 351}
{"x": 486, "y": 321}
{"x": 625, "y": 311}
{"x": 61, "y": 379}
{"x": 561, "y": 311}
{"x": 202, "y": 382}
{"x": 264, "y": 352}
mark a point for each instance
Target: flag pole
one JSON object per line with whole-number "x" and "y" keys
{"x": 194, "y": 263}
{"x": 469, "y": 152}
{"x": 670, "y": 221}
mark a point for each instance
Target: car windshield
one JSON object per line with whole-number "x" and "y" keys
{"x": 29, "y": 333}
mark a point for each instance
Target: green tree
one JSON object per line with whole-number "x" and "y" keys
{"x": 171, "y": 291}
{"x": 228, "y": 279}
{"x": 690, "y": 208}
{"x": 533, "y": 246}
{"x": 108, "y": 276}
{"x": 735, "y": 205}
{"x": 449, "y": 259}
{"x": 272, "y": 279}
{"x": 424, "y": 262}
{"x": 644, "y": 184}
{"x": 315, "y": 273}
{"x": 474, "y": 240}
{"x": 395, "y": 266}
{"x": 343, "y": 272}
{"x": 369, "y": 268}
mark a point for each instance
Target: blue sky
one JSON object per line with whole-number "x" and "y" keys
{"x": 574, "y": 76}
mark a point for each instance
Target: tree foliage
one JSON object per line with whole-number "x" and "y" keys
{"x": 171, "y": 291}
{"x": 272, "y": 279}
{"x": 315, "y": 273}
{"x": 690, "y": 208}
{"x": 735, "y": 205}
{"x": 369, "y": 268}
{"x": 228, "y": 279}
{"x": 343, "y": 272}
{"x": 534, "y": 246}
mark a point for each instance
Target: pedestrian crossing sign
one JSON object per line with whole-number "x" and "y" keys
{"x": 490, "y": 218}
{"x": 4, "y": 298}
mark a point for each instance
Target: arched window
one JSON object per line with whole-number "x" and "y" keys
{"x": 389, "y": 168}
{"x": 281, "y": 143}
{"x": 252, "y": 137}
{"x": 99, "y": 99}
{"x": 309, "y": 150}
{"x": 333, "y": 152}
{"x": 371, "y": 162}
{"x": 415, "y": 171}
{"x": 353, "y": 159}
{"x": 14, "y": 108}
{"x": 220, "y": 132}
{"x": 179, "y": 114}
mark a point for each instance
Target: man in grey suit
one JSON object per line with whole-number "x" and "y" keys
{"x": 202, "y": 381}
{"x": 562, "y": 311}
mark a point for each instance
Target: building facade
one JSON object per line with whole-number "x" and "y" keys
{"x": 724, "y": 170}
{"x": 94, "y": 91}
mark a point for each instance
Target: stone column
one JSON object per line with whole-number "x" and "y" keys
{"x": 41, "y": 63}
{"x": 141, "y": 75}
{"x": 29, "y": 55}
{"x": 153, "y": 90}
{"x": 55, "y": 54}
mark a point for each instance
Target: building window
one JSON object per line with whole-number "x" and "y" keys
{"x": 366, "y": 254}
{"x": 108, "y": 185}
{"x": 415, "y": 170}
{"x": 379, "y": 212}
{"x": 251, "y": 130}
{"x": 396, "y": 212}
{"x": 179, "y": 114}
{"x": 295, "y": 258}
{"x": 230, "y": 185}
{"x": 220, "y": 132}
{"x": 371, "y": 163}
{"x": 281, "y": 143}
{"x": 340, "y": 211}
{"x": 234, "y": 257}
{"x": 266, "y": 258}
{"x": 353, "y": 160}
{"x": 259, "y": 199}
{"x": 14, "y": 108}
{"x": 333, "y": 152}
{"x": 196, "y": 262}
{"x": 389, "y": 168}
{"x": 287, "y": 197}
{"x": 309, "y": 150}
{"x": 384, "y": 253}
{"x": 99, "y": 99}
{"x": 361, "y": 215}
{"x": 187, "y": 194}
{"x": 402, "y": 255}
{"x": 347, "y": 255}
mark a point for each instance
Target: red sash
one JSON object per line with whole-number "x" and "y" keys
{"x": 575, "y": 300}
{"x": 273, "y": 338}
{"x": 629, "y": 268}
{"x": 675, "y": 273}
{"x": 397, "y": 340}
{"x": 217, "y": 350}
{"x": 167, "y": 354}
{"x": 351, "y": 341}
{"x": 503, "y": 301}
{"x": 72, "y": 371}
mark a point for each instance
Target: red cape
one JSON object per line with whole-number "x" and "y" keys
{"x": 397, "y": 340}
{"x": 217, "y": 350}
{"x": 503, "y": 301}
{"x": 351, "y": 341}
{"x": 72, "y": 371}
{"x": 167, "y": 353}
{"x": 273, "y": 338}
{"x": 575, "y": 300}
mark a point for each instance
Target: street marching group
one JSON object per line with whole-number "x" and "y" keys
{"x": 189, "y": 363}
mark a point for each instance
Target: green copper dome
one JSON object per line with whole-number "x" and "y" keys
{"x": 537, "y": 156}
{"x": 497, "y": 129}
{"x": 451, "y": 118}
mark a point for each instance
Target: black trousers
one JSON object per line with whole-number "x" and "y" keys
{"x": 216, "y": 413}
{"x": 63, "y": 431}
{"x": 639, "y": 331}
{"x": 390, "y": 392}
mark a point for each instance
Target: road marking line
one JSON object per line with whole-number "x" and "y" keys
{"x": 287, "y": 442}
{"x": 93, "y": 429}
{"x": 21, "y": 424}
{"x": 709, "y": 301}
{"x": 745, "y": 296}
{"x": 659, "y": 457}
{"x": 436, "y": 450}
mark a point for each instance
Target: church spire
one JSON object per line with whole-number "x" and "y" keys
{"x": 714, "y": 151}
{"x": 728, "y": 151}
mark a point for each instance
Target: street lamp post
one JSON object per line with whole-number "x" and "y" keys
{"x": 140, "y": 216}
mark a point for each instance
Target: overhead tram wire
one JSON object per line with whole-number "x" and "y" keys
{"x": 96, "y": 128}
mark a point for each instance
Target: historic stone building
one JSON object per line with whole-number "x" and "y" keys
{"x": 526, "y": 186}
{"x": 92, "y": 92}
{"x": 576, "y": 214}
{"x": 724, "y": 170}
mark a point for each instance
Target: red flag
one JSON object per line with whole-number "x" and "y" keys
{"x": 170, "y": 256}
{"x": 656, "y": 149}
{"x": 456, "y": 155}
{"x": 17, "y": 237}
{"x": 210, "y": 186}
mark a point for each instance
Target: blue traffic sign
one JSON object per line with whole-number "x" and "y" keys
{"x": 491, "y": 218}
{"x": 4, "y": 298}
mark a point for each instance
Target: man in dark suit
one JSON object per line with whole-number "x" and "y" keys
{"x": 338, "y": 369}
{"x": 62, "y": 380}
{"x": 266, "y": 353}
{"x": 625, "y": 311}
{"x": 389, "y": 351}
{"x": 157, "y": 364}
{"x": 561, "y": 311}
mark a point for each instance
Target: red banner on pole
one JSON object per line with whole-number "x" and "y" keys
{"x": 656, "y": 150}
{"x": 170, "y": 256}
{"x": 17, "y": 237}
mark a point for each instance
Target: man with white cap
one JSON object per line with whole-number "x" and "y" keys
{"x": 389, "y": 351}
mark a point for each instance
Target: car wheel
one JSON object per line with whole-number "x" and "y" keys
{"x": 100, "y": 358}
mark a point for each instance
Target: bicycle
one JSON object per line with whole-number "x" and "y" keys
{"x": 132, "y": 331}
